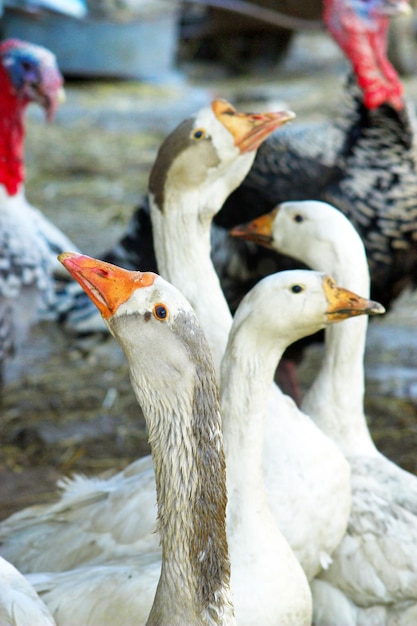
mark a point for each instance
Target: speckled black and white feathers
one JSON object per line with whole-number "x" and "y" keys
{"x": 369, "y": 173}
{"x": 377, "y": 190}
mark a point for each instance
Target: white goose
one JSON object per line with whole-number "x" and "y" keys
{"x": 268, "y": 583}
{"x": 20, "y": 605}
{"x": 373, "y": 577}
{"x": 96, "y": 519}
{"x": 174, "y": 381}
{"x": 279, "y": 310}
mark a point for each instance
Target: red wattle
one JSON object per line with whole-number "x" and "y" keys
{"x": 12, "y": 134}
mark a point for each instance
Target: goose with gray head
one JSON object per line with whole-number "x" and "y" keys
{"x": 260, "y": 578}
{"x": 308, "y": 479}
{"x": 173, "y": 378}
{"x": 373, "y": 577}
{"x": 197, "y": 167}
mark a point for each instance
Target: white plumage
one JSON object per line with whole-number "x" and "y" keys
{"x": 20, "y": 605}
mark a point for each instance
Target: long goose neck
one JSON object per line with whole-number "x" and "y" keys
{"x": 246, "y": 375}
{"x": 12, "y": 133}
{"x": 336, "y": 397}
{"x": 182, "y": 248}
{"x": 187, "y": 450}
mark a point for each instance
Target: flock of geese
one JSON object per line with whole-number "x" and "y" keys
{"x": 250, "y": 509}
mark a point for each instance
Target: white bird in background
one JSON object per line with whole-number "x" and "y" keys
{"x": 373, "y": 575}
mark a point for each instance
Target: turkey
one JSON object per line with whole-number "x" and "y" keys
{"x": 29, "y": 242}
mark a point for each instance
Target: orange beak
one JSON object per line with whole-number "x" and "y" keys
{"x": 249, "y": 129}
{"x": 258, "y": 230}
{"x": 107, "y": 285}
{"x": 343, "y": 303}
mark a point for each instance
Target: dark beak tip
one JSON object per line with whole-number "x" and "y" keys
{"x": 377, "y": 309}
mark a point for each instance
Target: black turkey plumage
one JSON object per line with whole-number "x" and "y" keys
{"x": 372, "y": 179}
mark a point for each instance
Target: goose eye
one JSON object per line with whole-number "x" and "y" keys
{"x": 297, "y": 288}
{"x": 298, "y": 218}
{"x": 199, "y": 134}
{"x": 160, "y": 311}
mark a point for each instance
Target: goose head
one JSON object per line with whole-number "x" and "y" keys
{"x": 288, "y": 305}
{"x": 145, "y": 313}
{"x": 209, "y": 154}
{"x": 314, "y": 232}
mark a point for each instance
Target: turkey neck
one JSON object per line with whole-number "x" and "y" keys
{"x": 12, "y": 133}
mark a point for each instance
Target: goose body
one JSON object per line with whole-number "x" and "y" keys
{"x": 277, "y": 311}
{"x": 373, "y": 575}
{"x": 94, "y": 520}
{"x": 20, "y": 605}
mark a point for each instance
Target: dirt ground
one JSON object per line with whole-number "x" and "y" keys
{"x": 68, "y": 406}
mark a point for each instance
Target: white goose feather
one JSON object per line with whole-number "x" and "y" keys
{"x": 20, "y": 605}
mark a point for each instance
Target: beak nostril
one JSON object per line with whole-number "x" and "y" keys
{"x": 101, "y": 272}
